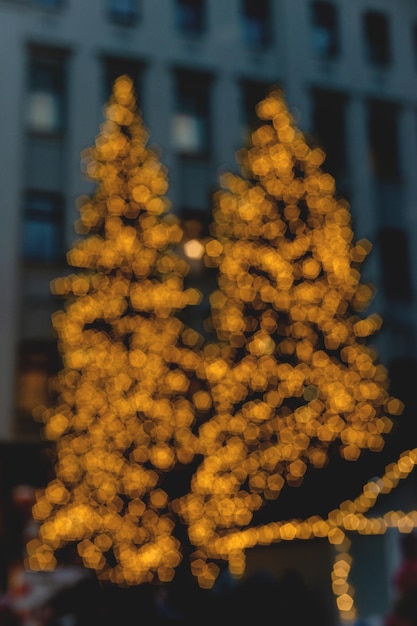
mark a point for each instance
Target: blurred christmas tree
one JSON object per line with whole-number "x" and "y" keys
{"x": 289, "y": 377}
{"x": 290, "y": 374}
{"x": 123, "y": 418}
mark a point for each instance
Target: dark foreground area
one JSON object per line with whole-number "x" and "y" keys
{"x": 85, "y": 602}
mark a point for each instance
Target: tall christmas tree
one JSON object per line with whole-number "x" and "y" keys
{"x": 289, "y": 378}
{"x": 124, "y": 416}
{"x": 291, "y": 373}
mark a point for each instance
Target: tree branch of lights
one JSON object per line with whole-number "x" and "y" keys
{"x": 155, "y": 432}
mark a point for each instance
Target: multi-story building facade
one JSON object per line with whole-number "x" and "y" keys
{"x": 348, "y": 70}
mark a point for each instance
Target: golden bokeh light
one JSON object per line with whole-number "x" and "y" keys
{"x": 289, "y": 375}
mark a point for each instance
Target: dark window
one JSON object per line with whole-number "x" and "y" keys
{"x": 125, "y": 11}
{"x": 191, "y": 121}
{"x": 115, "y": 67}
{"x": 43, "y": 227}
{"x": 395, "y": 263}
{"x": 48, "y": 4}
{"x": 46, "y": 99}
{"x": 377, "y": 45}
{"x": 329, "y": 128}
{"x": 190, "y": 16}
{"x": 256, "y": 16}
{"x": 414, "y": 44}
{"x": 325, "y": 33}
{"x": 37, "y": 361}
{"x": 252, "y": 92}
{"x": 383, "y": 140}
{"x": 403, "y": 382}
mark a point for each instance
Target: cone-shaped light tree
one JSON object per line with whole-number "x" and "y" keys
{"x": 291, "y": 373}
{"x": 289, "y": 377}
{"x": 123, "y": 419}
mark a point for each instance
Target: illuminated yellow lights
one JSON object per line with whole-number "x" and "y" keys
{"x": 288, "y": 377}
{"x": 194, "y": 249}
{"x": 123, "y": 416}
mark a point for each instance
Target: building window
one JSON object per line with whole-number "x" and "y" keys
{"x": 402, "y": 372}
{"x": 190, "y": 16}
{"x": 414, "y": 44}
{"x": 377, "y": 44}
{"x": 383, "y": 140}
{"x": 395, "y": 263}
{"x": 43, "y": 227}
{"x": 37, "y": 361}
{"x": 47, "y": 93}
{"x": 256, "y": 22}
{"x": 48, "y": 4}
{"x": 191, "y": 120}
{"x": 117, "y": 66}
{"x": 251, "y": 93}
{"x": 125, "y": 11}
{"x": 325, "y": 32}
{"x": 329, "y": 128}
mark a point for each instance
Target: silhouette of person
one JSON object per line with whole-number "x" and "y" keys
{"x": 404, "y": 609}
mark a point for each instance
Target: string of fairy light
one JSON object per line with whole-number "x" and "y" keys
{"x": 288, "y": 377}
{"x": 350, "y": 517}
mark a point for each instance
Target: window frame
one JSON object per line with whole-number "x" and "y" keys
{"x": 114, "y": 66}
{"x": 252, "y": 15}
{"x": 48, "y": 5}
{"x": 41, "y": 62}
{"x": 396, "y": 284}
{"x": 337, "y": 101}
{"x": 193, "y": 101}
{"x": 333, "y": 47}
{"x": 251, "y": 93}
{"x": 378, "y": 53}
{"x": 199, "y": 19}
{"x": 384, "y": 140}
{"x": 45, "y": 252}
{"x": 124, "y": 17}
{"x": 34, "y": 356}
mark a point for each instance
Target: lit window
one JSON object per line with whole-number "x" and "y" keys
{"x": 46, "y": 96}
{"x": 252, "y": 92}
{"x": 123, "y": 10}
{"x": 43, "y": 227}
{"x": 383, "y": 140}
{"x": 377, "y": 45}
{"x": 190, "y": 16}
{"x": 395, "y": 263}
{"x": 190, "y": 129}
{"x": 256, "y": 17}
{"x": 329, "y": 129}
{"x": 325, "y": 30}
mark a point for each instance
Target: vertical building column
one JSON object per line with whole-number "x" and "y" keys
{"x": 14, "y": 66}
{"x": 225, "y": 124}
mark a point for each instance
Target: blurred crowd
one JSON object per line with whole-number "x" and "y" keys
{"x": 72, "y": 596}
